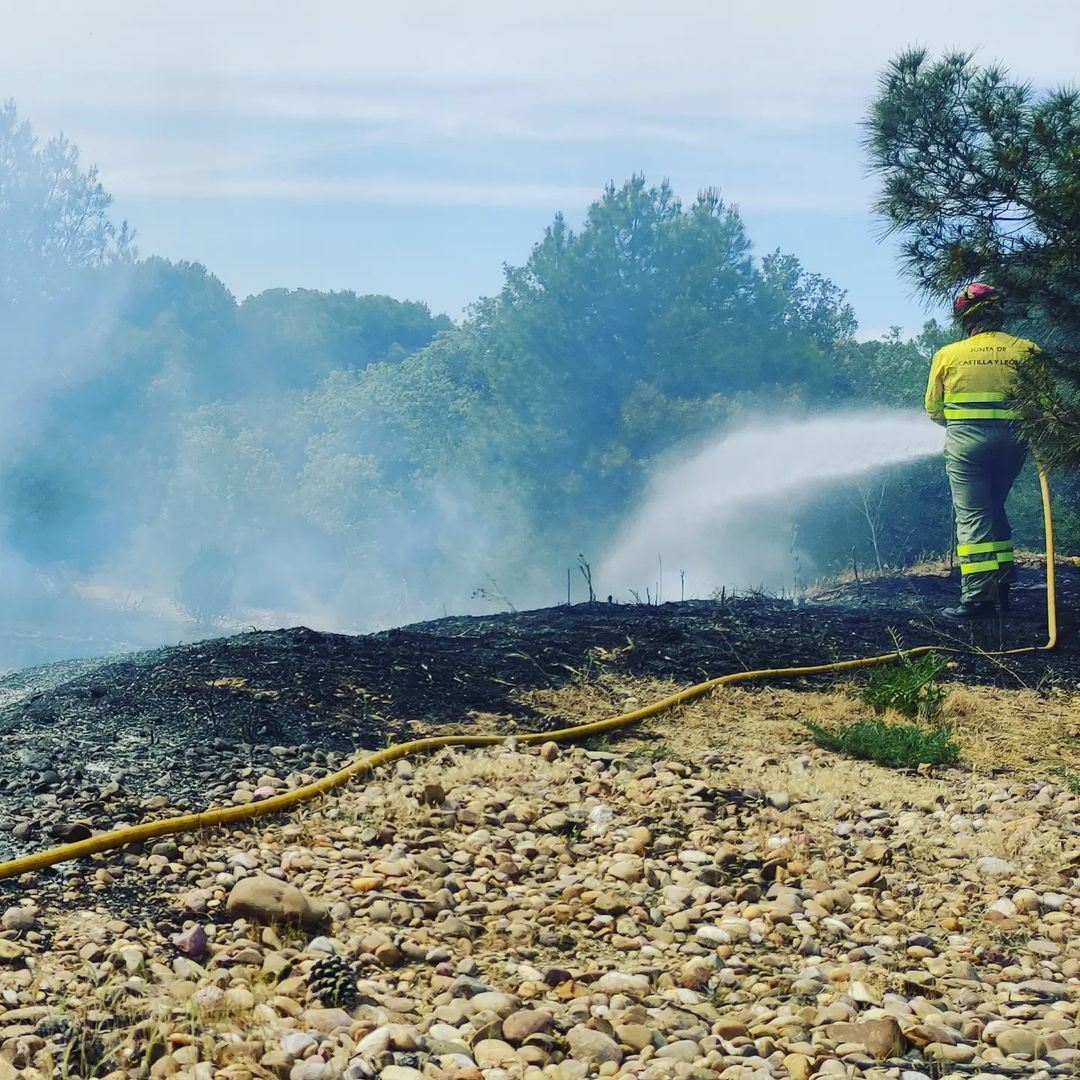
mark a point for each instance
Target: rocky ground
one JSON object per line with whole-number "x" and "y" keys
{"x": 650, "y": 909}
{"x": 710, "y": 896}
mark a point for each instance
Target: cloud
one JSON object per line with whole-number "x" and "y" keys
{"x": 391, "y": 190}
{"x": 381, "y": 161}
{"x": 234, "y": 100}
{"x": 481, "y": 67}
{"x": 448, "y": 191}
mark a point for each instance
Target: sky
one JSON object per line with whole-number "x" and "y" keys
{"x": 413, "y": 148}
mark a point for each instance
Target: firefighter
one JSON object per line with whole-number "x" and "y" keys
{"x": 968, "y": 392}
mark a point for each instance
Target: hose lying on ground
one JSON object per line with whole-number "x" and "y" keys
{"x": 361, "y": 765}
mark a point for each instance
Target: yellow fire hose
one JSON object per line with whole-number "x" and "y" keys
{"x": 229, "y": 815}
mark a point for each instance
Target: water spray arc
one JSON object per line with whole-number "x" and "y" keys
{"x": 362, "y": 766}
{"x": 709, "y": 507}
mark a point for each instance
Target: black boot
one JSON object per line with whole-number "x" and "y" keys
{"x": 969, "y": 609}
{"x": 1004, "y": 601}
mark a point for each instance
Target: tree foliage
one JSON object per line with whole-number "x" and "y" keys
{"x": 299, "y": 336}
{"x": 650, "y": 325}
{"x": 53, "y": 214}
{"x": 892, "y": 370}
{"x": 980, "y": 177}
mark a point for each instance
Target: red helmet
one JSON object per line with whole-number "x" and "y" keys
{"x": 974, "y": 297}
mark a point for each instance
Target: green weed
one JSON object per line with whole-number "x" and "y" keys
{"x": 599, "y": 743}
{"x": 1067, "y": 778}
{"x": 660, "y": 751}
{"x": 909, "y": 687}
{"x": 899, "y": 746}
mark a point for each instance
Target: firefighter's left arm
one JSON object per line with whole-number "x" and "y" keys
{"x": 935, "y": 390}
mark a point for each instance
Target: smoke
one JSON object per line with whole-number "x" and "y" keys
{"x": 723, "y": 516}
{"x": 135, "y": 469}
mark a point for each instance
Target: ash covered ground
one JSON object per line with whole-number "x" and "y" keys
{"x": 109, "y": 741}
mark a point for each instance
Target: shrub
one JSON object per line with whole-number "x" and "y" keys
{"x": 909, "y": 687}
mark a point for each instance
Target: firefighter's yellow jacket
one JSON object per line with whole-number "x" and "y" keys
{"x": 972, "y": 379}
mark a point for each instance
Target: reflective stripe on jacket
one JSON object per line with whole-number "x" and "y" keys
{"x": 972, "y": 379}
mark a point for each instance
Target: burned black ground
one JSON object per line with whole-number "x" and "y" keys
{"x": 185, "y": 723}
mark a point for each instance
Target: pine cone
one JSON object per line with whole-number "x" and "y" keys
{"x": 332, "y": 982}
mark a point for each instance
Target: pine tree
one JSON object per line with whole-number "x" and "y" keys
{"x": 980, "y": 178}
{"x": 53, "y": 215}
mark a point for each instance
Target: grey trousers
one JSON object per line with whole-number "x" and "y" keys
{"x": 982, "y": 459}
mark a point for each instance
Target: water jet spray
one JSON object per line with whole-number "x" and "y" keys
{"x": 704, "y": 513}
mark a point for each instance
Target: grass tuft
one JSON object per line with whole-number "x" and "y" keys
{"x": 898, "y": 746}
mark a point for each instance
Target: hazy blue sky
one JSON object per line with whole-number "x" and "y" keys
{"x": 412, "y": 148}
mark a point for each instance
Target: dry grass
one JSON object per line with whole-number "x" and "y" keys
{"x": 479, "y": 723}
{"x": 238, "y": 682}
{"x": 842, "y": 581}
{"x": 1015, "y": 730}
{"x": 998, "y": 730}
{"x": 757, "y": 738}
